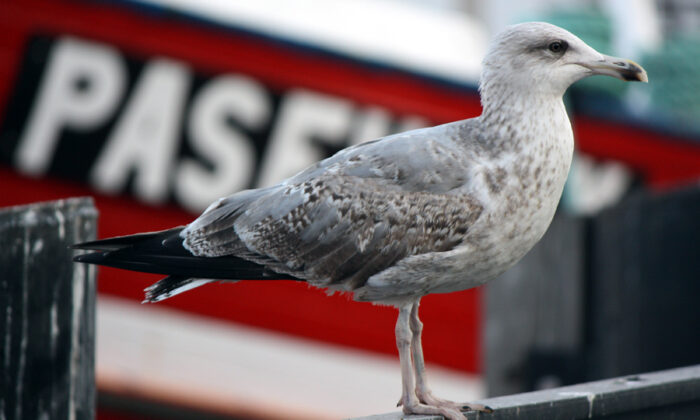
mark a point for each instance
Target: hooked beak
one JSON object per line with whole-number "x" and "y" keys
{"x": 617, "y": 67}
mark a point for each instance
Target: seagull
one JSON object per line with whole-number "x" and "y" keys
{"x": 432, "y": 210}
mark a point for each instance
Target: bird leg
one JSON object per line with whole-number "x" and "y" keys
{"x": 409, "y": 400}
{"x": 403, "y": 344}
{"x": 423, "y": 392}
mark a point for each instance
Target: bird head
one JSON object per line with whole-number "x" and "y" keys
{"x": 538, "y": 57}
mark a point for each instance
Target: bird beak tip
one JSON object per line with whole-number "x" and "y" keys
{"x": 636, "y": 73}
{"x": 643, "y": 77}
{"x": 620, "y": 68}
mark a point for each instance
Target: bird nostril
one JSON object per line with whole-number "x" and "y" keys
{"x": 620, "y": 63}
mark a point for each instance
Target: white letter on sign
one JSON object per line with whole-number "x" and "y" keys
{"x": 229, "y": 150}
{"x": 145, "y": 139}
{"x": 304, "y": 116}
{"x": 80, "y": 89}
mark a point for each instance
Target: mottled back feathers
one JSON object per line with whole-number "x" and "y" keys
{"x": 351, "y": 216}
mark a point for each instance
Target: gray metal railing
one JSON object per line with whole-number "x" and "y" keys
{"x": 668, "y": 394}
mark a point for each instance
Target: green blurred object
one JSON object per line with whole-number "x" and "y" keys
{"x": 674, "y": 69}
{"x": 675, "y": 72}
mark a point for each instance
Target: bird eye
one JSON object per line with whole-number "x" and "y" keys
{"x": 558, "y": 47}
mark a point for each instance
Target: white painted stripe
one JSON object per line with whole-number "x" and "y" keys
{"x": 440, "y": 42}
{"x": 166, "y": 354}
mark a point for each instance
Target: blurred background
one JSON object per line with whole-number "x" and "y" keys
{"x": 158, "y": 107}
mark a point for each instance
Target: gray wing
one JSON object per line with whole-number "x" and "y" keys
{"x": 352, "y": 215}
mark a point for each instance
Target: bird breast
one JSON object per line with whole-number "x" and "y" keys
{"x": 521, "y": 188}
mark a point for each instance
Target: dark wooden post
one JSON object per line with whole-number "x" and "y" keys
{"x": 610, "y": 295}
{"x": 47, "y": 312}
{"x": 645, "y": 284}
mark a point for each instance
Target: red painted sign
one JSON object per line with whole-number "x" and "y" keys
{"x": 156, "y": 114}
